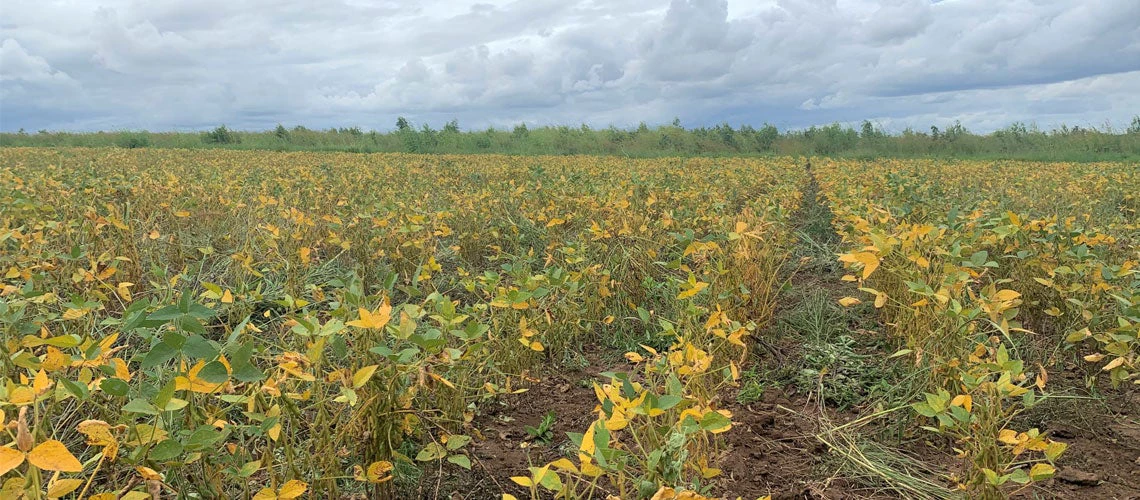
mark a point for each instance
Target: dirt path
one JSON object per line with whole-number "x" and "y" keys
{"x": 815, "y": 378}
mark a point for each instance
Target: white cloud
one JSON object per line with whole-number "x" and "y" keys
{"x": 138, "y": 47}
{"x": 17, "y": 65}
{"x": 174, "y": 65}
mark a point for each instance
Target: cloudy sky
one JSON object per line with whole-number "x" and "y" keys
{"x": 177, "y": 65}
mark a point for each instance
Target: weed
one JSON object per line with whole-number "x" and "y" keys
{"x": 544, "y": 433}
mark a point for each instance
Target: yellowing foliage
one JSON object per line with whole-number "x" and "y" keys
{"x": 250, "y": 322}
{"x": 966, "y": 259}
{"x": 256, "y": 323}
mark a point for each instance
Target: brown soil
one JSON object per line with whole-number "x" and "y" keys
{"x": 773, "y": 451}
{"x": 498, "y": 451}
{"x": 1103, "y": 458}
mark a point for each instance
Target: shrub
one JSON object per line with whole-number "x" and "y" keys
{"x": 132, "y": 140}
{"x": 221, "y": 135}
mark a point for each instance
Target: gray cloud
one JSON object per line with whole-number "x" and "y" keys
{"x": 184, "y": 65}
{"x": 694, "y": 43}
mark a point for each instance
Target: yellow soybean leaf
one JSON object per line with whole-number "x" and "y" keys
{"x": 710, "y": 472}
{"x": 363, "y": 375}
{"x": 728, "y": 417}
{"x": 55, "y": 360}
{"x": 963, "y": 400}
{"x": 880, "y": 300}
{"x": 41, "y": 383}
{"x": 274, "y": 432}
{"x": 870, "y": 263}
{"x": 523, "y": 481}
{"x": 124, "y": 290}
{"x": 380, "y": 472}
{"x": 565, "y": 465}
{"x": 849, "y": 301}
{"x": 1041, "y": 471}
{"x": 589, "y": 469}
{"x": 1055, "y": 449}
{"x": 62, "y": 487}
{"x": 1008, "y": 436}
{"x": 122, "y": 371}
{"x": 587, "y": 446}
{"x": 695, "y": 289}
{"x": 1015, "y": 390}
{"x": 53, "y": 455}
{"x": 98, "y": 433}
{"x": 441, "y": 380}
{"x": 194, "y": 383}
{"x": 617, "y": 422}
{"x": 508, "y": 496}
{"x": 71, "y": 314}
{"x": 149, "y": 474}
{"x": 1113, "y": 364}
{"x": 227, "y": 297}
{"x": 373, "y": 320}
{"x": 292, "y": 489}
{"x": 10, "y": 458}
{"x": 1006, "y": 295}
{"x": 869, "y": 260}
{"x": 22, "y": 395}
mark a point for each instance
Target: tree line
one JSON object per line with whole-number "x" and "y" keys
{"x": 1017, "y": 141}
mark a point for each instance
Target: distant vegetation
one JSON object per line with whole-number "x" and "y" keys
{"x": 1017, "y": 141}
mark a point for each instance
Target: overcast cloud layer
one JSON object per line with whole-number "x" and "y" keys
{"x": 174, "y": 65}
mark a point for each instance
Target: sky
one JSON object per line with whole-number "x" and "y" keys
{"x": 181, "y": 65}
